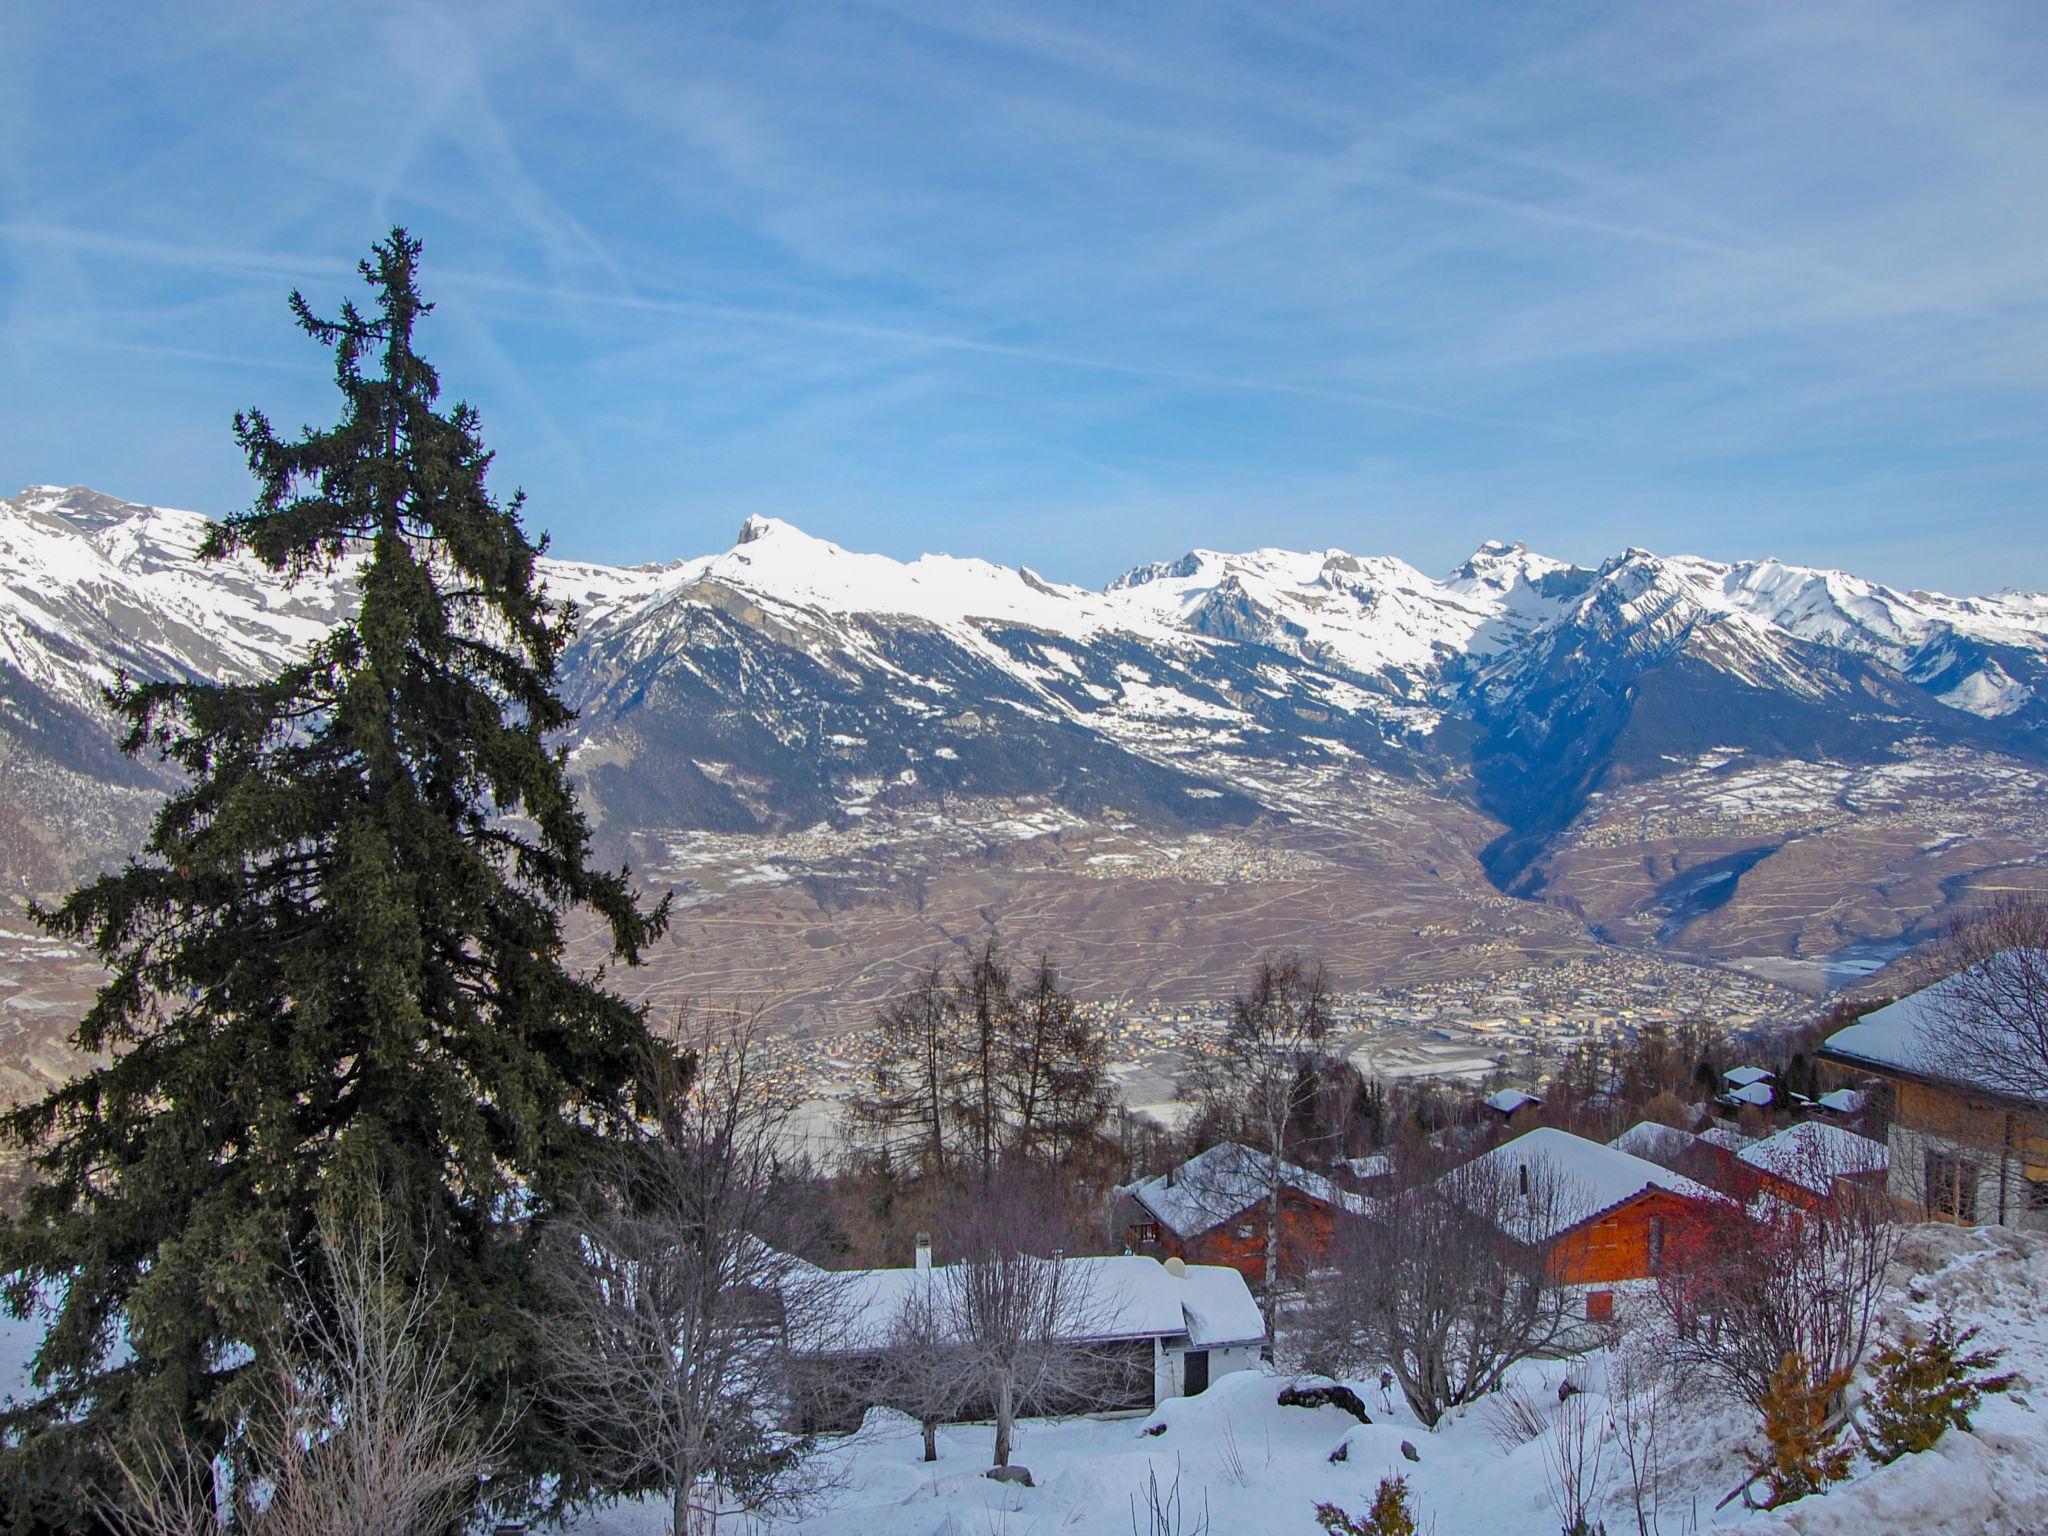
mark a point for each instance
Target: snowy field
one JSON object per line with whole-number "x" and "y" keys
{"x": 1258, "y": 1468}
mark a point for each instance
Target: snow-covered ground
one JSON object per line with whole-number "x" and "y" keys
{"x": 1259, "y": 1469}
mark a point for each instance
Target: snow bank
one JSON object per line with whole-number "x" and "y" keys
{"x": 1968, "y": 1485}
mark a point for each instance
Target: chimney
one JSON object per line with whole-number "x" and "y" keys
{"x": 924, "y": 1250}
{"x": 1169, "y": 1178}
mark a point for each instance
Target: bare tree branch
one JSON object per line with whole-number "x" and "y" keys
{"x": 675, "y": 1287}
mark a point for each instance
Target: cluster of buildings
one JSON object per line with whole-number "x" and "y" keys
{"x": 1597, "y": 1217}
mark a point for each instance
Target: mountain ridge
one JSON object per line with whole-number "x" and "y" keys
{"x": 1508, "y": 730}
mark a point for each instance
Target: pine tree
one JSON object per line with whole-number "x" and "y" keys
{"x": 1390, "y": 1515}
{"x": 1925, "y": 1387}
{"x": 1802, "y": 1455}
{"x": 341, "y": 957}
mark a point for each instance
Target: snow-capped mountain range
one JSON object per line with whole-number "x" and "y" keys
{"x": 787, "y": 681}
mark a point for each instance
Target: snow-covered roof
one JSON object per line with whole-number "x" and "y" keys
{"x": 1813, "y": 1154}
{"x": 1218, "y": 1306}
{"x": 1843, "y": 1101}
{"x": 1129, "y": 1296}
{"x": 1507, "y": 1100}
{"x": 1213, "y": 1186}
{"x": 1662, "y": 1144}
{"x": 1726, "y": 1137}
{"x": 1578, "y": 1180}
{"x": 1742, "y": 1077}
{"x": 1375, "y": 1165}
{"x": 1906, "y": 1035}
{"x": 1758, "y": 1094}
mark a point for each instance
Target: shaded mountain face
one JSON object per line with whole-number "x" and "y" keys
{"x": 787, "y": 685}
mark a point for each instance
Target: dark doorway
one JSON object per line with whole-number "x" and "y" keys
{"x": 1195, "y": 1372}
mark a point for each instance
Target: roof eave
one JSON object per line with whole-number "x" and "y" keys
{"x": 1932, "y": 1080}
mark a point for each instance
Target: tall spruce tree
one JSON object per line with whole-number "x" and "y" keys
{"x": 341, "y": 958}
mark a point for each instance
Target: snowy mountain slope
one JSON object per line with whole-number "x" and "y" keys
{"x": 787, "y": 681}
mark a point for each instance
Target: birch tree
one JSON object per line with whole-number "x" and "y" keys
{"x": 1264, "y": 1075}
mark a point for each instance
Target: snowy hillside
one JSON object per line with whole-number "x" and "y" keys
{"x": 1258, "y": 1469}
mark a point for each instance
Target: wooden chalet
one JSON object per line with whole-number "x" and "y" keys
{"x": 1600, "y": 1215}
{"x": 1961, "y": 1148}
{"x": 1811, "y": 1163}
{"x": 1212, "y": 1209}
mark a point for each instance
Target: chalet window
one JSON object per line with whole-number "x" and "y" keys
{"x": 1599, "y": 1306}
{"x": 1656, "y": 1244}
{"x": 1244, "y": 1229}
{"x": 1951, "y": 1186}
{"x": 1146, "y": 1231}
{"x": 2037, "y": 1194}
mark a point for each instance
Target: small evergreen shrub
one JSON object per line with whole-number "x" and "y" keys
{"x": 1390, "y": 1514}
{"x": 1797, "y": 1433}
{"x": 1926, "y": 1388}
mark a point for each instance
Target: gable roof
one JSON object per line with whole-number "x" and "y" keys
{"x": 1905, "y": 1036}
{"x": 1128, "y": 1296}
{"x": 1507, "y": 1100}
{"x": 1843, "y": 1101}
{"x": 1656, "y": 1143}
{"x": 1726, "y": 1137}
{"x": 1213, "y": 1186}
{"x": 1813, "y": 1154}
{"x": 1758, "y": 1093}
{"x": 1742, "y": 1077}
{"x": 1588, "y": 1180}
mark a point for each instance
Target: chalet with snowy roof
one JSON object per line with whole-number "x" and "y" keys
{"x": 1843, "y": 1103}
{"x": 1963, "y": 1147}
{"x": 1748, "y": 1087}
{"x": 1712, "y": 1157}
{"x": 1510, "y": 1102}
{"x": 1814, "y": 1161}
{"x": 1212, "y": 1209}
{"x": 1664, "y": 1145}
{"x": 1150, "y": 1331}
{"x": 1600, "y": 1215}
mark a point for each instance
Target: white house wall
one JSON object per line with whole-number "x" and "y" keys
{"x": 2001, "y": 1178}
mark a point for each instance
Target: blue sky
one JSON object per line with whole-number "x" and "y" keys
{"x": 1078, "y": 285}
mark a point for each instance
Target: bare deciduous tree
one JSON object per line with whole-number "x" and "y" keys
{"x": 1010, "y": 1309}
{"x": 971, "y": 1071}
{"x": 364, "y": 1427}
{"x": 1743, "y": 1289}
{"x": 1056, "y": 1089}
{"x": 1575, "y": 1464}
{"x": 1640, "y": 1392}
{"x": 1020, "y": 1316}
{"x": 674, "y": 1288}
{"x": 1993, "y": 1006}
{"x": 922, "y": 1372}
{"x": 1445, "y": 1285}
{"x": 1263, "y": 1078}
{"x": 905, "y": 1113}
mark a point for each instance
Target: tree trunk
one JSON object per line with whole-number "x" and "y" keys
{"x": 1273, "y": 1242}
{"x": 681, "y": 1513}
{"x": 1004, "y": 1409}
{"x": 931, "y": 1439}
